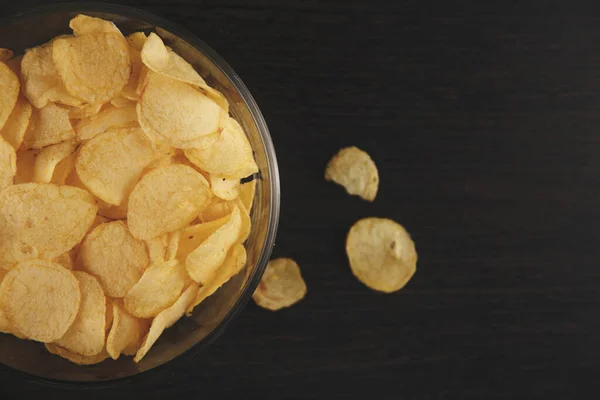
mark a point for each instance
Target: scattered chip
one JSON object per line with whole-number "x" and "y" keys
{"x": 49, "y": 157}
{"x": 48, "y": 125}
{"x": 281, "y": 285}
{"x": 16, "y": 125}
{"x": 9, "y": 92}
{"x": 5, "y": 54}
{"x": 353, "y": 169}
{"x": 226, "y": 189}
{"x": 76, "y": 358}
{"x": 110, "y": 117}
{"x": 381, "y": 253}
{"x": 8, "y": 164}
{"x": 126, "y": 333}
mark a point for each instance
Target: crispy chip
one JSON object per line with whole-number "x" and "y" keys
{"x": 226, "y": 189}
{"x": 353, "y": 169}
{"x": 111, "y": 163}
{"x": 157, "y": 248}
{"x": 40, "y": 299}
{"x": 7, "y": 327}
{"x": 14, "y": 129}
{"x": 63, "y": 169}
{"x": 86, "y": 334}
{"x": 110, "y": 117}
{"x": 94, "y": 67}
{"x": 157, "y": 289}
{"x": 192, "y": 236}
{"x": 166, "y": 199}
{"x": 85, "y": 25}
{"x": 126, "y": 333}
{"x": 381, "y": 253}
{"x": 5, "y": 54}
{"x": 173, "y": 245}
{"x": 246, "y": 221}
{"x": 135, "y": 41}
{"x": 109, "y": 317}
{"x": 115, "y": 257}
{"x": 247, "y": 191}
{"x": 281, "y": 285}
{"x": 9, "y": 92}
{"x": 217, "y": 209}
{"x": 202, "y": 263}
{"x": 85, "y": 111}
{"x": 230, "y": 156}
{"x": 64, "y": 260}
{"x": 25, "y": 163}
{"x": 113, "y": 212}
{"x": 165, "y": 319}
{"x": 42, "y": 220}
{"x": 48, "y": 125}
{"x": 8, "y": 164}
{"x": 76, "y": 358}
{"x": 49, "y": 157}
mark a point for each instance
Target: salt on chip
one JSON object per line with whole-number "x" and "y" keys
{"x": 85, "y": 25}
{"x": 115, "y": 257}
{"x": 48, "y": 125}
{"x": 110, "y": 117}
{"x": 166, "y": 199}
{"x": 40, "y": 299}
{"x": 25, "y": 163}
{"x": 76, "y": 358}
{"x": 158, "y": 288}
{"x": 224, "y": 188}
{"x": 49, "y": 157}
{"x": 111, "y": 163}
{"x": 247, "y": 191}
{"x": 354, "y": 169}
{"x": 86, "y": 335}
{"x": 14, "y": 129}
{"x": 192, "y": 236}
{"x": 126, "y": 333}
{"x": 9, "y": 92}
{"x": 8, "y": 164}
{"x": 42, "y": 220}
{"x": 381, "y": 253}
{"x": 281, "y": 285}
{"x": 165, "y": 319}
{"x": 5, "y": 54}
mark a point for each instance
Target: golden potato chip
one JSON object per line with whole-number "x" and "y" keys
{"x": 94, "y": 67}
{"x": 157, "y": 248}
{"x": 175, "y": 113}
{"x": 64, "y": 260}
{"x": 135, "y": 42}
{"x": 40, "y": 299}
{"x": 76, "y": 358}
{"x": 14, "y": 129}
{"x": 25, "y": 163}
{"x": 126, "y": 333}
{"x": 217, "y": 209}
{"x": 226, "y": 189}
{"x": 113, "y": 212}
{"x": 281, "y": 285}
{"x": 210, "y": 254}
{"x": 63, "y": 169}
{"x": 48, "y": 125}
{"x": 158, "y": 288}
{"x": 42, "y": 220}
{"x": 230, "y": 156}
{"x": 165, "y": 319}
{"x": 193, "y": 235}
{"x": 246, "y": 226}
{"x": 234, "y": 262}
{"x": 120, "y": 102}
{"x": 111, "y": 163}
{"x": 8, "y": 164}
{"x": 353, "y": 169}
{"x": 6, "y": 327}
{"x": 9, "y": 92}
{"x": 5, "y": 54}
{"x": 115, "y": 257}
{"x": 173, "y": 245}
{"x": 381, "y": 253}
{"x": 41, "y": 82}
{"x": 86, "y": 334}
{"x": 85, "y": 25}
{"x": 166, "y": 199}
{"x": 84, "y": 111}
{"x": 49, "y": 157}
{"x": 15, "y": 66}
{"x": 162, "y": 60}
{"x": 247, "y": 191}
{"x": 109, "y": 317}
{"x": 110, "y": 117}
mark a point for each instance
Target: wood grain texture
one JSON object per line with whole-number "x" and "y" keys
{"x": 484, "y": 123}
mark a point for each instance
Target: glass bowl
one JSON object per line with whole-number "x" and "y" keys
{"x": 209, "y": 319}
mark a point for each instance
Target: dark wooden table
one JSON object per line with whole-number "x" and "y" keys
{"x": 484, "y": 122}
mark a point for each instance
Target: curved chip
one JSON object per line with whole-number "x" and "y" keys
{"x": 9, "y": 92}
{"x": 94, "y": 67}
{"x": 230, "y": 156}
{"x": 157, "y": 289}
{"x": 135, "y": 42}
{"x": 48, "y": 125}
{"x": 157, "y": 248}
{"x": 64, "y": 260}
{"x": 126, "y": 333}
{"x": 5, "y": 54}
{"x": 8, "y": 164}
{"x": 173, "y": 245}
{"x": 193, "y": 235}
{"x": 354, "y": 169}
{"x": 166, "y": 199}
{"x": 247, "y": 191}
{"x": 40, "y": 299}
{"x": 165, "y": 319}
{"x": 76, "y": 358}
{"x": 115, "y": 257}
{"x": 85, "y": 25}
{"x": 49, "y": 157}
{"x": 113, "y": 212}
{"x": 42, "y": 220}
{"x": 110, "y": 117}
{"x": 85, "y": 111}
{"x": 25, "y": 163}
{"x": 226, "y": 189}
{"x": 86, "y": 334}
{"x": 246, "y": 226}
{"x": 281, "y": 285}
{"x": 63, "y": 169}
{"x": 15, "y": 127}
{"x": 217, "y": 209}
{"x": 202, "y": 263}
{"x": 382, "y": 254}
{"x": 111, "y": 163}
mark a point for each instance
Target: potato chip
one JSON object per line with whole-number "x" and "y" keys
{"x": 217, "y": 209}
{"x": 40, "y": 299}
{"x": 111, "y": 163}
{"x": 281, "y": 285}
{"x": 382, "y": 254}
{"x": 41, "y": 82}
{"x": 162, "y": 60}
{"x": 48, "y": 125}
{"x": 109, "y": 315}
{"x": 192, "y": 236}
{"x": 246, "y": 226}
{"x": 5, "y": 54}
{"x": 120, "y": 102}
{"x": 63, "y": 169}
{"x": 25, "y": 163}
{"x": 157, "y": 248}
{"x": 353, "y": 169}
{"x": 226, "y": 189}
{"x": 115, "y": 257}
{"x": 210, "y": 254}
{"x": 110, "y": 117}
{"x": 113, "y": 212}
{"x": 234, "y": 262}
{"x": 135, "y": 42}
{"x": 49, "y": 157}
{"x": 247, "y": 191}
{"x": 166, "y": 199}
{"x": 8, "y": 164}
{"x": 64, "y": 260}
{"x": 85, "y": 25}
{"x": 175, "y": 113}
{"x": 15, "y": 66}
{"x": 173, "y": 245}
{"x": 14, "y": 129}
{"x": 230, "y": 156}
{"x": 126, "y": 333}
{"x": 76, "y": 358}
{"x": 165, "y": 319}
{"x": 42, "y": 220}
{"x": 94, "y": 67}
{"x": 86, "y": 334}
{"x": 9, "y": 92}
{"x": 84, "y": 111}
{"x": 157, "y": 289}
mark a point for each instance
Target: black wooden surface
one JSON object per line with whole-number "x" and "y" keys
{"x": 484, "y": 121}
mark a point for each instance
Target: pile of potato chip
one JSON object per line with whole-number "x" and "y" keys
{"x": 121, "y": 203}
